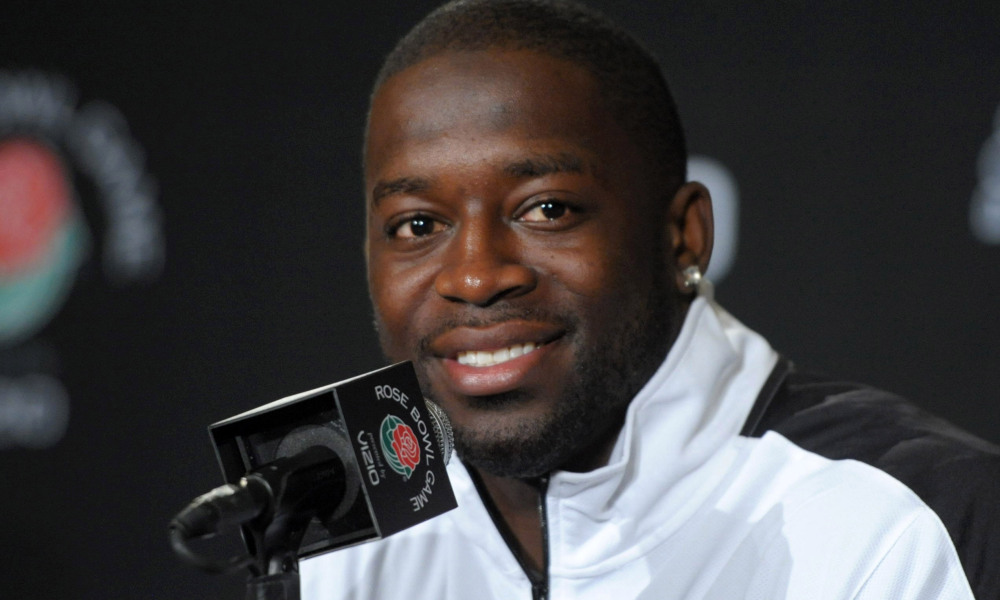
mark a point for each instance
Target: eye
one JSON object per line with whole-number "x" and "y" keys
{"x": 415, "y": 226}
{"x": 546, "y": 210}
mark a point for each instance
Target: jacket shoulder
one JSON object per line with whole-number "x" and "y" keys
{"x": 954, "y": 472}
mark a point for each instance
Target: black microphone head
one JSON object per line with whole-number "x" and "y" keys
{"x": 330, "y": 435}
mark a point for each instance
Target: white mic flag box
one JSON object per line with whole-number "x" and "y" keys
{"x": 381, "y": 428}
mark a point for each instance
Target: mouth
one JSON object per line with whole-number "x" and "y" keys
{"x": 483, "y": 361}
{"x": 489, "y": 358}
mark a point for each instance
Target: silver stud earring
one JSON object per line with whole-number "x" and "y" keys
{"x": 692, "y": 277}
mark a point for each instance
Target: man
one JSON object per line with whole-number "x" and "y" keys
{"x": 534, "y": 248}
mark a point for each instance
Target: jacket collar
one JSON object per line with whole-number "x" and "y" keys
{"x": 675, "y": 446}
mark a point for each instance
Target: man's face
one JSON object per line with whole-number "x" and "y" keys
{"x": 517, "y": 253}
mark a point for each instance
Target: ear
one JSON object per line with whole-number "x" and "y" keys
{"x": 691, "y": 230}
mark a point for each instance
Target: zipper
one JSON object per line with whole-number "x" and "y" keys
{"x": 540, "y": 588}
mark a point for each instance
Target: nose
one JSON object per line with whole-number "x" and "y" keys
{"x": 483, "y": 265}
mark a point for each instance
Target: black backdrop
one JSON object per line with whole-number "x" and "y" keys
{"x": 853, "y": 131}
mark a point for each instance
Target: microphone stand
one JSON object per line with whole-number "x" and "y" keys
{"x": 273, "y": 506}
{"x": 279, "y": 586}
{"x": 279, "y": 580}
{"x": 274, "y": 568}
{"x": 275, "y": 574}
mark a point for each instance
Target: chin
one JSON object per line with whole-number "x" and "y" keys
{"x": 518, "y": 446}
{"x": 530, "y": 444}
{"x": 512, "y": 459}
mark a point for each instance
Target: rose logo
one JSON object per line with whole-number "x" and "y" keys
{"x": 399, "y": 444}
{"x": 405, "y": 445}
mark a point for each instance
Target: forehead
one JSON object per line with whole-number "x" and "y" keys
{"x": 473, "y": 95}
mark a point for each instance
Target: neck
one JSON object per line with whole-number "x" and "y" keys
{"x": 598, "y": 453}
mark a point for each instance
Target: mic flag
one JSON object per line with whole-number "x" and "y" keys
{"x": 393, "y": 444}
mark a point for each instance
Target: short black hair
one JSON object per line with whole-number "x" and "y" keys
{"x": 628, "y": 76}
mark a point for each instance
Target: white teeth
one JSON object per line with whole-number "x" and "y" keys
{"x": 482, "y": 358}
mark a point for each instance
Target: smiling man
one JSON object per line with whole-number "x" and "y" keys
{"x": 534, "y": 247}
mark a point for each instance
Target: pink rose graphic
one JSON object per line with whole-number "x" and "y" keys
{"x": 404, "y": 442}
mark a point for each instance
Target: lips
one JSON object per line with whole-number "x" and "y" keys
{"x": 480, "y": 361}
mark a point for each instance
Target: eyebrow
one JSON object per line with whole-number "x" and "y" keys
{"x": 403, "y": 185}
{"x": 545, "y": 164}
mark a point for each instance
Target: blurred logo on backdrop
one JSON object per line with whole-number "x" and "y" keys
{"x": 48, "y": 145}
{"x": 984, "y": 213}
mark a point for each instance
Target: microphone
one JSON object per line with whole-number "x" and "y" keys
{"x": 339, "y": 465}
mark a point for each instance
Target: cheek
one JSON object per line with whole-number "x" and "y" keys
{"x": 604, "y": 273}
{"x": 587, "y": 278}
{"x": 397, "y": 297}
